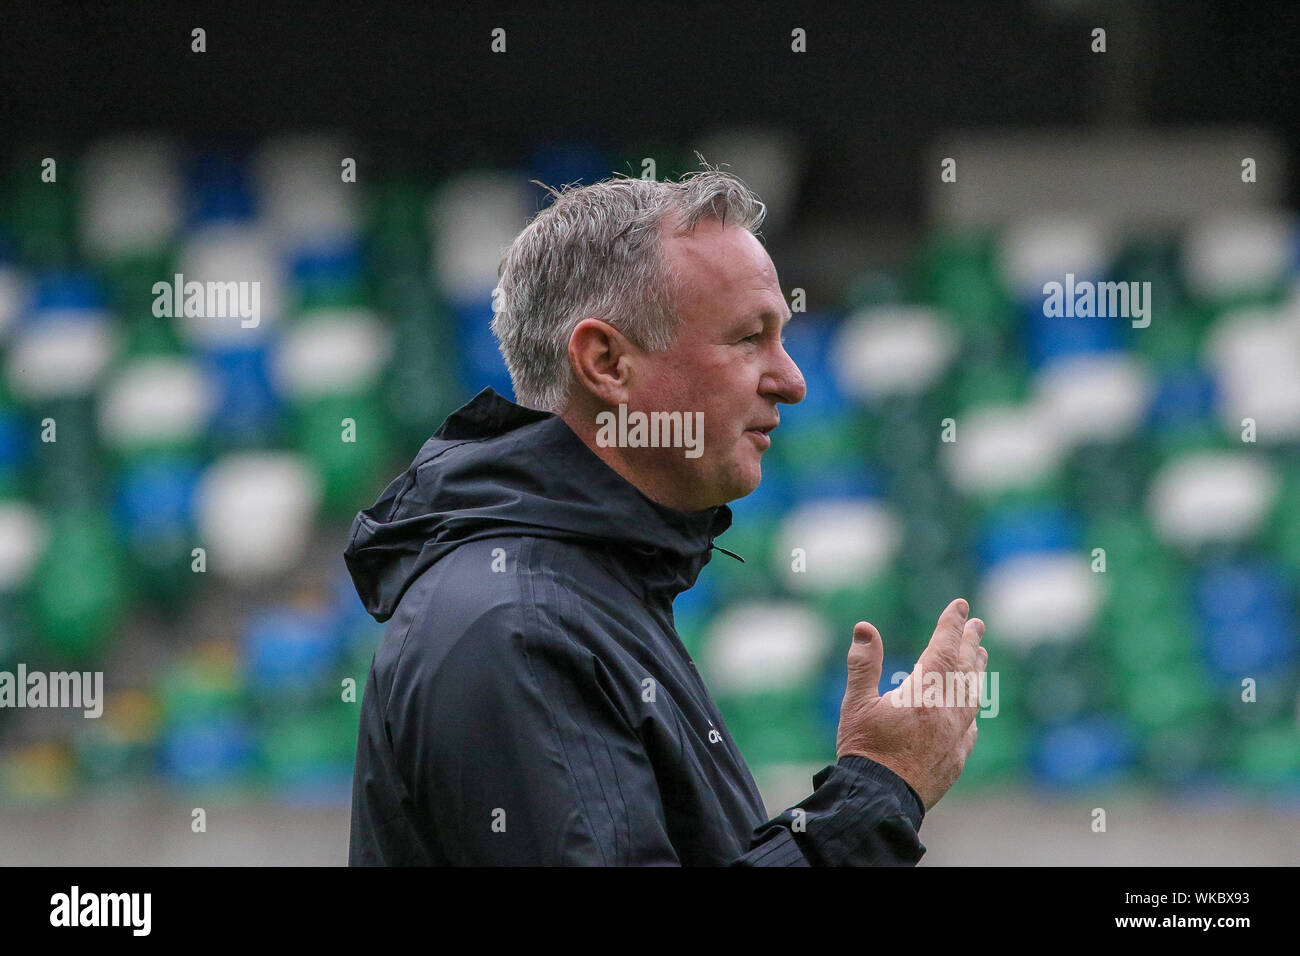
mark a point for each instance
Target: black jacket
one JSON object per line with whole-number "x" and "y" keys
{"x": 531, "y": 702}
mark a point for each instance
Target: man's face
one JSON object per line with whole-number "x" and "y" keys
{"x": 727, "y": 362}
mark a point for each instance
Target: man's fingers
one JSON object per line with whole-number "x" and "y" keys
{"x": 866, "y": 658}
{"x": 977, "y": 678}
{"x": 970, "y": 641}
{"x": 971, "y": 666}
{"x": 946, "y": 640}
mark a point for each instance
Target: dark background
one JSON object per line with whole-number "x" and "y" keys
{"x": 878, "y": 81}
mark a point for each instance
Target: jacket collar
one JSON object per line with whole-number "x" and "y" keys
{"x": 671, "y": 546}
{"x": 494, "y": 468}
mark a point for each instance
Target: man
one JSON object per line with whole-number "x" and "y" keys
{"x": 531, "y": 703}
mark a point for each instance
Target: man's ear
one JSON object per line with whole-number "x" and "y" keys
{"x": 600, "y": 358}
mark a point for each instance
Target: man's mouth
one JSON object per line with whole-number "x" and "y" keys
{"x": 762, "y": 433}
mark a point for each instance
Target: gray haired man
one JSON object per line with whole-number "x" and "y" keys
{"x": 531, "y": 702}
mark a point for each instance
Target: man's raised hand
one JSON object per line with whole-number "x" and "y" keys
{"x": 924, "y": 741}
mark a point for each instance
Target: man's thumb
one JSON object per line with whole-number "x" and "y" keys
{"x": 866, "y": 658}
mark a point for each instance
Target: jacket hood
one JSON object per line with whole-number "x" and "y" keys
{"x": 496, "y": 468}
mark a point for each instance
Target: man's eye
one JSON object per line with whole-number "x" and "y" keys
{"x": 756, "y": 335}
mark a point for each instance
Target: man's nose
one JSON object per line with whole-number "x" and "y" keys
{"x": 786, "y": 383}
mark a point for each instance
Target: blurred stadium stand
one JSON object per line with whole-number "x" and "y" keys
{"x": 179, "y": 433}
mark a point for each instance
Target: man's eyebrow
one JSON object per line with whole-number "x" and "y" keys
{"x": 762, "y": 316}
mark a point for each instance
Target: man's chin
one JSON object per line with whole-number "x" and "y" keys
{"x": 743, "y": 488}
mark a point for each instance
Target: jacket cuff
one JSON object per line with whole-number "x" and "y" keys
{"x": 868, "y": 771}
{"x": 861, "y": 814}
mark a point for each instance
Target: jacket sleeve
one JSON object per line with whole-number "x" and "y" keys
{"x": 859, "y": 814}
{"x": 524, "y": 760}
